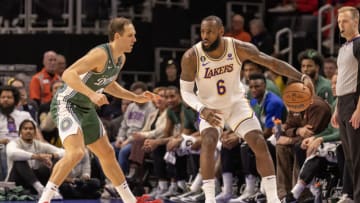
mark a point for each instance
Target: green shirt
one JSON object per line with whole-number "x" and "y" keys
{"x": 186, "y": 117}
{"x": 330, "y": 133}
{"x": 323, "y": 89}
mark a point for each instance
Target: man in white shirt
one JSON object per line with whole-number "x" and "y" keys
{"x": 30, "y": 161}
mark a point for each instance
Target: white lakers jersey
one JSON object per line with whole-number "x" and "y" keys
{"x": 218, "y": 80}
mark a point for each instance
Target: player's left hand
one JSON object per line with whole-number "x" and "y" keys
{"x": 146, "y": 97}
{"x": 355, "y": 119}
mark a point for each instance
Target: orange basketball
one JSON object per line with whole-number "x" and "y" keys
{"x": 297, "y": 97}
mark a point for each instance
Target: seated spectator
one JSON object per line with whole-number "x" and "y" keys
{"x": 330, "y": 68}
{"x": 134, "y": 120}
{"x": 47, "y": 125}
{"x": 25, "y": 104}
{"x": 321, "y": 150}
{"x": 172, "y": 78}
{"x": 250, "y": 68}
{"x": 80, "y": 184}
{"x": 180, "y": 119}
{"x": 237, "y": 29}
{"x": 40, "y": 85}
{"x": 311, "y": 63}
{"x": 61, "y": 64}
{"x": 30, "y": 161}
{"x": 153, "y": 128}
{"x": 260, "y": 37}
{"x": 298, "y": 126}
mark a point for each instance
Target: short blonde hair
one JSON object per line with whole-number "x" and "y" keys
{"x": 354, "y": 12}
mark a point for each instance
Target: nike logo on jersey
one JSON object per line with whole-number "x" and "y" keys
{"x": 218, "y": 71}
{"x": 204, "y": 64}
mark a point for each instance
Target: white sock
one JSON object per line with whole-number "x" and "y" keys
{"x": 269, "y": 185}
{"x": 196, "y": 184}
{"x": 228, "y": 180}
{"x": 250, "y": 181}
{"x": 209, "y": 190}
{"x": 38, "y": 187}
{"x": 48, "y": 192}
{"x": 125, "y": 193}
{"x": 297, "y": 190}
{"x": 163, "y": 185}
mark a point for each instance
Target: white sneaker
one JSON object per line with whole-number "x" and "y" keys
{"x": 345, "y": 199}
{"x": 179, "y": 198}
{"x": 57, "y": 196}
{"x": 172, "y": 191}
{"x": 199, "y": 197}
{"x": 246, "y": 194}
{"x": 156, "y": 192}
{"x": 223, "y": 197}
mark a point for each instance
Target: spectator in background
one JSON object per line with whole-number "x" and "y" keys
{"x": 25, "y": 104}
{"x": 40, "y": 85}
{"x": 172, "y": 78}
{"x": 80, "y": 184}
{"x": 61, "y": 64}
{"x": 311, "y": 63}
{"x": 47, "y": 125}
{"x": 237, "y": 29}
{"x": 330, "y": 68}
{"x": 133, "y": 121}
{"x": 260, "y": 37}
{"x": 250, "y": 68}
{"x": 153, "y": 128}
{"x": 298, "y": 126}
{"x": 10, "y": 119}
{"x": 29, "y": 160}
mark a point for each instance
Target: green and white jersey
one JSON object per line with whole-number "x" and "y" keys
{"x": 94, "y": 80}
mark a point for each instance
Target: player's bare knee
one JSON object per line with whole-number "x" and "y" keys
{"x": 209, "y": 138}
{"x": 256, "y": 141}
{"x": 76, "y": 154}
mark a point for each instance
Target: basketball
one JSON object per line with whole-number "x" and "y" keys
{"x": 297, "y": 97}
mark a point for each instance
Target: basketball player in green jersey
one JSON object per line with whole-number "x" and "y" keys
{"x": 73, "y": 109}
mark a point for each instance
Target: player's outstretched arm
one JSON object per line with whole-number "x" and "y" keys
{"x": 247, "y": 51}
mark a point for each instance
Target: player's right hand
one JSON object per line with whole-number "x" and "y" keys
{"x": 212, "y": 116}
{"x": 98, "y": 99}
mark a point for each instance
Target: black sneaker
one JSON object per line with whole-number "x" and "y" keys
{"x": 289, "y": 199}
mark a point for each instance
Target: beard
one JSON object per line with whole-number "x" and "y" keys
{"x": 212, "y": 46}
{"x": 7, "y": 110}
{"x": 312, "y": 74}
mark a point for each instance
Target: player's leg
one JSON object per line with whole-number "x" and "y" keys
{"x": 104, "y": 151}
{"x": 246, "y": 125}
{"x": 74, "y": 151}
{"x": 209, "y": 137}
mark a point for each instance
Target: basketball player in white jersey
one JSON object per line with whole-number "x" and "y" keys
{"x": 215, "y": 64}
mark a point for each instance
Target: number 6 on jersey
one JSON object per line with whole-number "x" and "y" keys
{"x": 221, "y": 87}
